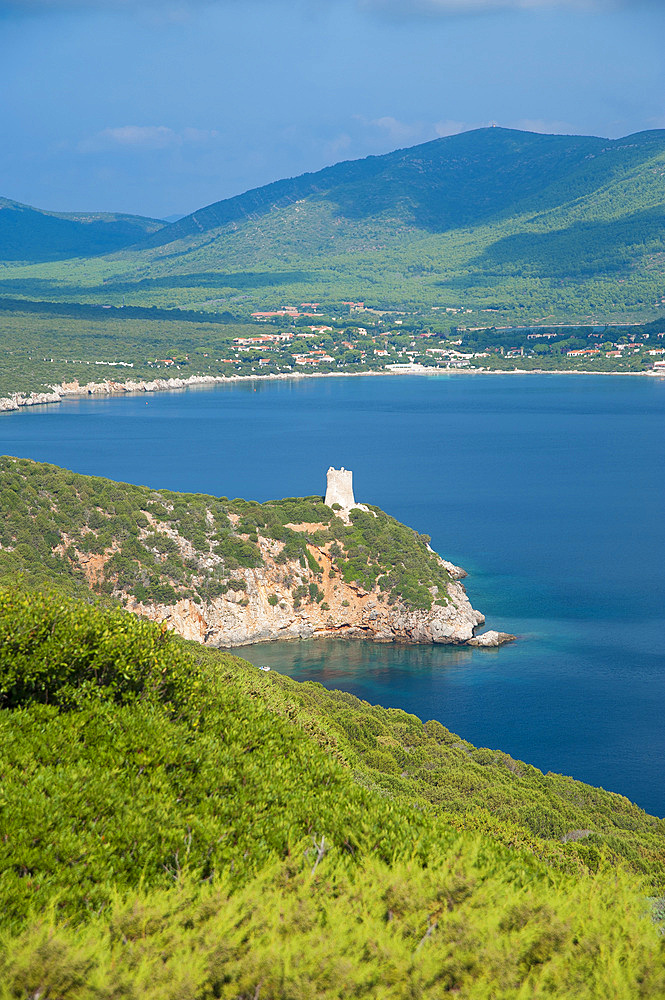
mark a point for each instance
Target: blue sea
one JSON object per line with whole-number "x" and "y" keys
{"x": 548, "y": 489}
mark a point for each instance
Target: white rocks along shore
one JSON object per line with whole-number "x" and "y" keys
{"x": 109, "y": 387}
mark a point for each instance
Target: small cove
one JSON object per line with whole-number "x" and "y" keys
{"x": 548, "y": 489}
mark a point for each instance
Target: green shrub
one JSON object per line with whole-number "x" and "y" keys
{"x": 311, "y": 562}
{"x": 53, "y": 651}
{"x": 163, "y": 543}
{"x": 162, "y": 593}
{"x": 238, "y": 553}
{"x": 179, "y": 824}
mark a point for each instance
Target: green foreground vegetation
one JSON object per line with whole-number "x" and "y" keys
{"x": 177, "y": 824}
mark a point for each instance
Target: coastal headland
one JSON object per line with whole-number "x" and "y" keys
{"x": 228, "y": 573}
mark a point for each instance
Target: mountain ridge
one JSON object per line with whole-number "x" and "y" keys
{"x": 45, "y": 235}
{"x": 313, "y": 183}
{"x": 520, "y": 223}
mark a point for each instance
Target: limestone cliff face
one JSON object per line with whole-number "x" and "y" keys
{"x": 266, "y": 609}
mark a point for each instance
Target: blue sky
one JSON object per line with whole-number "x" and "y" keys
{"x": 161, "y": 108}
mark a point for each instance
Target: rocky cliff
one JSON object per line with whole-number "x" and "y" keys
{"x": 266, "y": 609}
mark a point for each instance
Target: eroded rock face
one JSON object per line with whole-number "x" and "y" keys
{"x": 266, "y": 611}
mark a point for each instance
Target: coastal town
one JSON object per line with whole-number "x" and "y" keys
{"x": 292, "y": 341}
{"x": 370, "y": 339}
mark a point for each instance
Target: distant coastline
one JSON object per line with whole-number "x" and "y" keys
{"x": 109, "y": 387}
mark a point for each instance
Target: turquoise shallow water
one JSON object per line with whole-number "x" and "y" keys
{"x": 547, "y": 489}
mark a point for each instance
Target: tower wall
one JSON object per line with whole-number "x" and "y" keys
{"x": 340, "y": 488}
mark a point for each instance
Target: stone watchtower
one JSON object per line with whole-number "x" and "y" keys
{"x": 340, "y": 488}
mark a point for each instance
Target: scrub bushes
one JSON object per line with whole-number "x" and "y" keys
{"x": 181, "y": 825}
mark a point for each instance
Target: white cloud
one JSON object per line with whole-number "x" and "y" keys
{"x": 396, "y": 130}
{"x": 135, "y": 136}
{"x": 401, "y": 133}
{"x": 200, "y": 135}
{"x": 337, "y": 146}
{"x": 144, "y": 137}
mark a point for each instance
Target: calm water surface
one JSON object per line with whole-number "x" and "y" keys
{"x": 547, "y": 489}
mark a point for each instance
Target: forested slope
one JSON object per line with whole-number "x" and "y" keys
{"x": 449, "y": 183}
{"x": 524, "y": 224}
{"x": 142, "y": 545}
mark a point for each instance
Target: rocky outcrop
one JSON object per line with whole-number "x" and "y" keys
{"x": 17, "y": 400}
{"x": 107, "y": 387}
{"x": 491, "y": 639}
{"x": 266, "y": 610}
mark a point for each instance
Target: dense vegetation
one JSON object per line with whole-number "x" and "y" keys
{"x": 177, "y": 824}
{"x": 566, "y": 822}
{"x": 159, "y": 546}
{"x": 524, "y": 225}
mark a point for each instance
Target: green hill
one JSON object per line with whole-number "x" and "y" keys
{"x": 30, "y": 234}
{"x": 460, "y": 181}
{"x": 177, "y": 825}
{"x": 524, "y": 225}
{"x": 150, "y": 546}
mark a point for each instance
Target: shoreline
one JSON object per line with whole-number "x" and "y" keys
{"x": 110, "y": 387}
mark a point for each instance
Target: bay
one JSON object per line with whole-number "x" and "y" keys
{"x": 548, "y": 489}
